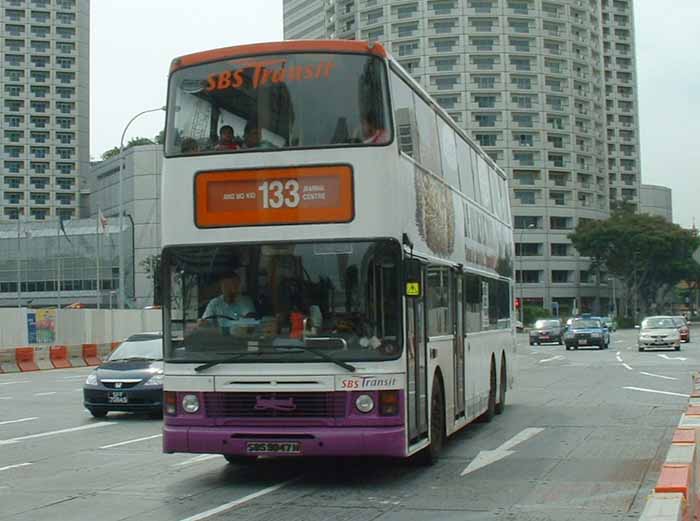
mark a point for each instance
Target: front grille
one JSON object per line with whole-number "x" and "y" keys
{"x": 275, "y": 405}
{"x": 124, "y": 385}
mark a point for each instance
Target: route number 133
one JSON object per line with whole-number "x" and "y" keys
{"x": 278, "y": 194}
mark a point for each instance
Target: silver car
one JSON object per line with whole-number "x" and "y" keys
{"x": 659, "y": 332}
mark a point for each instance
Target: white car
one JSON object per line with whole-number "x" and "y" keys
{"x": 659, "y": 332}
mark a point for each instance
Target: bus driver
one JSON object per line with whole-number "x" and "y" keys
{"x": 230, "y": 306}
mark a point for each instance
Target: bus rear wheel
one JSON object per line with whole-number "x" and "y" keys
{"x": 431, "y": 453}
{"x": 502, "y": 387}
{"x": 491, "y": 410}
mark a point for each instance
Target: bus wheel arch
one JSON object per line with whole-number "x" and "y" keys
{"x": 490, "y": 412}
{"x": 438, "y": 432}
{"x": 502, "y": 385}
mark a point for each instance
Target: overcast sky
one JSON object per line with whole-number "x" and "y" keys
{"x": 133, "y": 42}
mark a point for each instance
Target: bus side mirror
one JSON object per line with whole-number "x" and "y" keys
{"x": 413, "y": 287}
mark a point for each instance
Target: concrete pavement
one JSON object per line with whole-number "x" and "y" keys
{"x": 581, "y": 439}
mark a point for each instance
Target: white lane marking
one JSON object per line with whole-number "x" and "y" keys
{"x": 558, "y": 357}
{"x": 197, "y": 459}
{"x": 21, "y": 420}
{"x": 627, "y": 366}
{"x": 16, "y": 382}
{"x": 77, "y": 377}
{"x": 657, "y": 392}
{"x": 5, "y": 397}
{"x": 14, "y": 466}
{"x": 54, "y": 433}
{"x": 231, "y": 504}
{"x": 658, "y": 376}
{"x": 618, "y": 353}
{"x": 619, "y": 341}
{"x": 486, "y": 457}
{"x": 131, "y": 441}
{"x": 673, "y": 358}
{"x": 45, "y": 394}
{"x": 619, "y": 358}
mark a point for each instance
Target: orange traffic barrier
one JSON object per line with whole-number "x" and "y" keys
{"x": 25, "y": 359}
{"x": 90, "y": 354}
{"x": 59, "y": 357}
{"x": 684, "y": 436}
{"x": 693, "y": 410}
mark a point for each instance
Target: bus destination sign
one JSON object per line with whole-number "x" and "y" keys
{"x": 299, "y": 195}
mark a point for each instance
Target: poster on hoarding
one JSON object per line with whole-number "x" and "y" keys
{"x": 31, "y": 327}
{"x": 46, "y": 325}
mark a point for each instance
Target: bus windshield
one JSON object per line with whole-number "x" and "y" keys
{"x": 281, "y": 302}
{"x": 278, "y": 101}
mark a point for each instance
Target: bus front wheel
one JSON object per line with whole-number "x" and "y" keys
{"x": 431, "y": 453}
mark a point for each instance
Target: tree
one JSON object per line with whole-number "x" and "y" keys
{"x": 152, "y": 266}
{"x": 133, "y": 142}
{"x": 160, "y": 138}
{"x": 646, "y": 253}
{"x": 109, "y": 154}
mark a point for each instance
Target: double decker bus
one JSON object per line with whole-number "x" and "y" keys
{"x": 337, "y": 258}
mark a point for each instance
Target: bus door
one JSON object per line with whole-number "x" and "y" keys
{"x": 459, "y": 354}
{"x": 417, "y": 369}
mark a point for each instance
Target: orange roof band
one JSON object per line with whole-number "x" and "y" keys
{"x": 347, "y": 46}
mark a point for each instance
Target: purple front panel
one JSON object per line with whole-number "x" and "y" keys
{"x": 324, "y": 425}
{"x": 319, "y": 441}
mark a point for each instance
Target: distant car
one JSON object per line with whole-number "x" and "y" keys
{"x": 519, "y": 327}
{"x": 659, "y": 332}
{"x": 131, "y": 380}
{"x": 683, "y": 329}
{"x": 586, "y": 332}
{"x": 609, "y": 323}
{"x": 546, "y": 331}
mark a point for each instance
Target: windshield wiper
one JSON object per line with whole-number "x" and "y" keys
{"x": 232, "y": 359}
{"x": 299, "y": 346}
{"x": 320, "y": 354}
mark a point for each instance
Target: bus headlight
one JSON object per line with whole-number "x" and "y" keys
{"x": 190, "y": 403}
{"x": 364, "y": 403}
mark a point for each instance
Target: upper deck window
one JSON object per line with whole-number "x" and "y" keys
{"x": 304, "y": 100}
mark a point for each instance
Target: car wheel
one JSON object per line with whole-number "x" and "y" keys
{"x": 677, "y": 348}
{"x": 532, "y": 343}
{"x": 240, "y": 460}
{"x": 560, "y": 342}
{"x": 98, "y": 413}
{"x": 640, "y": 349}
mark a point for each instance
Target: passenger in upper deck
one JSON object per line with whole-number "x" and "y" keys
{"x": 372, "y": 131}
{"x": 227, "y": 139}
{"x": 252, "y": 136}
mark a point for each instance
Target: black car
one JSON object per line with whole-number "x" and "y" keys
{"x": 587, "y": 332}
{"x": 546, "y": 330}
{"x": 131, "y": 380}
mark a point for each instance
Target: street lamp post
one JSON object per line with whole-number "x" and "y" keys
{"x": 522, "y": 298}
{"x": 122, "y": 293}
{"x": 612, "y": 279}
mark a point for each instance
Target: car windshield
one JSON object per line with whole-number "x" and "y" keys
{"x": 680, "y": 321}
{"x": 278, "y": 101}
{"x": 151, "y": 349}
{"x": 542, "y": 324}
{"x": 277, "y": 301}
{"x": 586, "y": 324}
{"x": 658, "y": 323}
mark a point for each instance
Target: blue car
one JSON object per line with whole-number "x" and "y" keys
{"x": 585, "y": 332}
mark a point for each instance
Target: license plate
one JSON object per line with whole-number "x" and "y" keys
{"x": 583, "y": 342}
{"x": 273, "y": 447}
{"x": 117, "y": 397}
{"x": 545, "y": 337}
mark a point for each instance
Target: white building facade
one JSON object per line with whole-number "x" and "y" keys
{"x": 656, "y": 200}
{"x": 547, "y": 87}
{"x": 44, "y": 112}
{"x": 142, "y": 167}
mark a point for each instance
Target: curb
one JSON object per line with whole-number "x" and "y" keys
{"x": 677, "y": 491}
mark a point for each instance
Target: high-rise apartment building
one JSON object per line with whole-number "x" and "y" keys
{"x": 547, "y": 87}
{"x": 44, "y": 108}
{"x": 621, "y": 101}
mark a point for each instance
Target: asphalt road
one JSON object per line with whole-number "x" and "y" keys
{"x": 581, "y": 439}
